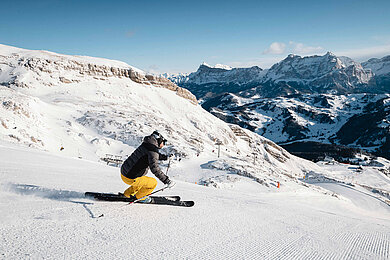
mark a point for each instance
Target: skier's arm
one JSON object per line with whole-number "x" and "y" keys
{"x": 153, "y": 164}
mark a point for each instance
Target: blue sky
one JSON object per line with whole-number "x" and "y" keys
{"x": 176, "y": 36}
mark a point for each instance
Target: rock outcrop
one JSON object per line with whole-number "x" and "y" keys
{"x": 54, "y": 64}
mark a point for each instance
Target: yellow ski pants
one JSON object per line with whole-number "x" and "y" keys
{"x": 140, "y": 187}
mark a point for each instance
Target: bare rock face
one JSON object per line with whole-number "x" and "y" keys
{"x": 65, "y": 80}
{"x": 161, "y": 82}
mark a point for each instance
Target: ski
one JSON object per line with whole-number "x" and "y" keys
{"x": 117, "y": 197}
{"x": 159, "y": 200}
{"x": 164, "y": 201}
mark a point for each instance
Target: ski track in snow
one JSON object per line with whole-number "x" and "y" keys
{"x": 45, "y": 215}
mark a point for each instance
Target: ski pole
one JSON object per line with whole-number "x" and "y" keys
{"x": 169, "y": 164}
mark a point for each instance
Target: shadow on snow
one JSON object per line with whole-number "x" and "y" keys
{"x": 52, "y": 194}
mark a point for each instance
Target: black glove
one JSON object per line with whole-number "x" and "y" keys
{"x": 163, "y": 157}
{"x": 170, "y": 183}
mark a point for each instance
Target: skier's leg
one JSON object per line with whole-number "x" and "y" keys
{"x": 140, "y": 187}
{"x": 147, "y": 186}
{"x": 133, "y": 189}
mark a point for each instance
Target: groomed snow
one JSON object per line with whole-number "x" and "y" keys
{"x": 45, "y": 215}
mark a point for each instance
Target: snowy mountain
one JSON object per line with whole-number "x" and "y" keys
{"x": 381, "y": 68}
{"x": 88, "y": 107}
{"x": 224, "y": 74}
{"x": 327, "y": 74}
{"x": 210, "y": 80}
{"x": 357, "y": 120}
{"x": 179, "y": 78}
{"x": 275, "y": 102}
{"x": 378, "y": 66}
{"x": 316, "y": 74}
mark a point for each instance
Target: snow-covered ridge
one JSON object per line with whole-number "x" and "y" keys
{"x": 218, "y": 66}
{"x": 6, "y": 50}
{"x": 378, "y": 66}
{"x": 207, "y": 74}
{"x": 16, "y": 63}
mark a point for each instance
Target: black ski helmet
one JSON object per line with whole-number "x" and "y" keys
{"x": 160, "y": 139}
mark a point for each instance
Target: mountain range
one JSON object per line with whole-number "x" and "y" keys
{"x": 328, "y": 100}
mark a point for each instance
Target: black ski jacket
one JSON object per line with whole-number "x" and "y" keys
{"x": 144, "y": 157}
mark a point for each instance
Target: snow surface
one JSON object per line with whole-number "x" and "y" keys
{"x": 45, "y": 215}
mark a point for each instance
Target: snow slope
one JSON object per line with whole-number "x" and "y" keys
{"x": 45, "y": 215}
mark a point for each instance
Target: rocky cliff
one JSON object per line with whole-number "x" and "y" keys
{"x": 12, "y": 63}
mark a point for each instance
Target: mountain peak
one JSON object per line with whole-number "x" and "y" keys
{"x": 217, "y": 66}
{"x": 329, "y": 53}
{"x": 291, "y": 56}
{"x": 319, "y": 71}
{"x": 222, "y": 66}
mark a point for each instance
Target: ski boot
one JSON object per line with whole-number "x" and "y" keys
{"x": 133, "y": 198}
{"x": 145, "y": 200}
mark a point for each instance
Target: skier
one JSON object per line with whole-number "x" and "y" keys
{"x": 135, "y": 168}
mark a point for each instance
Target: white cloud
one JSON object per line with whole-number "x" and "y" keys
{"x": 300, "y": 48}
{"x": 275, "y": 48}
{"x": 365, "y": 53}
{"x": 153, "y": 69}
{"x": 292, "y": 47}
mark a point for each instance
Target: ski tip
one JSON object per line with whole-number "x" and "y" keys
{"x": 190, "y": 203}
